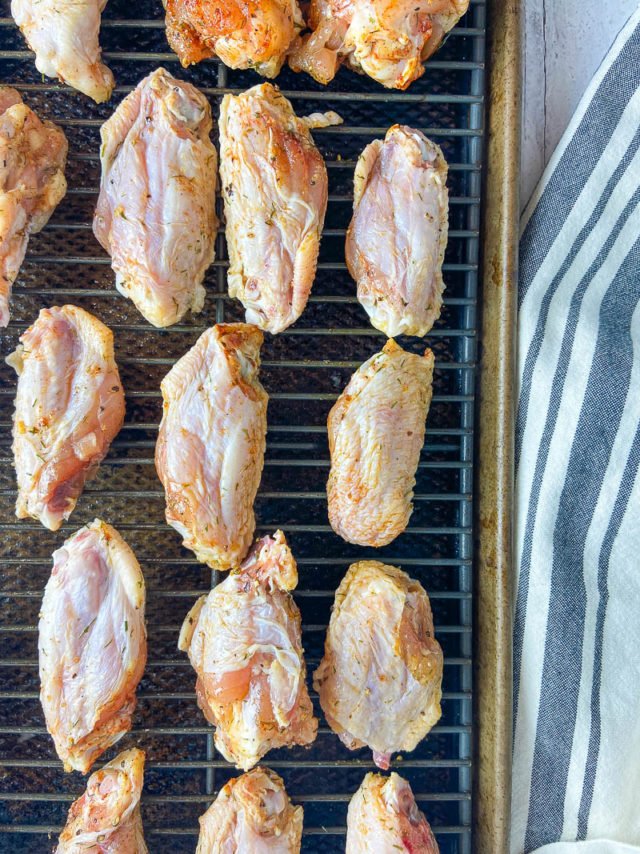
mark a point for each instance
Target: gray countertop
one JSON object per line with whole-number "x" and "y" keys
{"x": 564, "y": 43}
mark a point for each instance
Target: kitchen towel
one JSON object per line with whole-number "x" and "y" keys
{"x": 576, "y": 760}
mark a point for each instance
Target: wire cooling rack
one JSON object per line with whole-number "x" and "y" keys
{"x": 303, "y": 369}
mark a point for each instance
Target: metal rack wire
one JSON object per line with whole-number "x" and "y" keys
{"x": 304, "y": 369}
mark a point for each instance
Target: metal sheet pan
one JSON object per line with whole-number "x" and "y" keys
{"x": 303, "y": 369}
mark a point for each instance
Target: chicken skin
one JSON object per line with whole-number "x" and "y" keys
{"x": 211, "y": 443}
{"x": 33, "y": 156}
{"x": 376, "y": 432}
{"x": 379, "y": 682}
{"x": 156, "y": 210}
{"x": 251, "y": 815}
{"x": 106, "y": 819}
{"x": 63, "y": 34}
{"x": 397, "y": 238}
{"x": 243, "y": 33}
{"x": 92, "y": 644}
{"x": 386, "y": 39}
{"x": 244, "y": 642}
{"x": 383, "y": 817}
{"x": 274, "y": 185}
{"x": 69, "y": 407}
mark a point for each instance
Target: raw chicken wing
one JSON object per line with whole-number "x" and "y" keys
{"x": 243, "y": 33}
{"x": 383, "y": 817}
{"x": 211, "y": 443}
{"x": 386, "y": 39}
{"x": 244, "y": 642}
{"x": 251, "y": 815}
{"x": 379, "y": 682}
{"x": 376, "y": 432}
{"x": 397, "y": 237}
{"x": 33, "y": 155}
{"x": 69, "y": 407}
{"x": 106, "y": 819}
{"x": 92, "y": 644}
{"x": 64, "y": 37}
{"x": 274, "y": 185}
{"x": 156, "y": 210}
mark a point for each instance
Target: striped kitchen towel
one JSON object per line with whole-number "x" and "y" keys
{"x": 576, "y": 760}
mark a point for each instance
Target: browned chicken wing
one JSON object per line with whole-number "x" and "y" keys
{"x": 33, "y": 155}
{"x": 379, "y": 682}
{"x": 386, "y": 39}
{"x": 243, "y": 33}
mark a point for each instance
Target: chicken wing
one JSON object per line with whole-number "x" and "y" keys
{"x": 63, "y": 34}
{"x": 397, "y": 238}
{"x": 379, "y": 682}
{"x": 69, "y": 407}
{"x": 106, "y": 819}
{"x": 386, "y": 39}
{"x": 156, "y": 210}
{"x": 244, "y": 642}
{"x": 274, "y": 185}
{"x": 243, "y": 33}
{"x": 33, "y": 156}
{"x": 251, "y": 815}
{"x": 383, "y": 817}
{"x": 211, "y": 443}
{"x": 92, "y": 644}
{"x": 376, "y": 432}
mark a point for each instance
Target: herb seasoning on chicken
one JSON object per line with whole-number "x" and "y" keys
{"x": 380, "y": 679}
{"x": 106, "y": 818}
{"x": 244, "y": 642}
{"x": 383, "y": 817}
{"x": 274, "y": 185}
{"x": 252, "y": 815}
{"x": 69, "y": 408}
{"x": 92, "y": 644}
{"x": 33, "y": 156}
{"x": 376, "y": 432}
{"x": 398, "y": 235}
{"x": 156, "y": 210}
{"x": 211, "y": 442}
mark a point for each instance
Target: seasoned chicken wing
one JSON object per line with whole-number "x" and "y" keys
{"x": 243, "y": 33}
{"x": 63, "y": 34}
{"x": 211, "y": 443}
{"x": 383, "y": 817}
{"x": 251, "y": 815}
{"x": 106, "y": 819}
{"x": 376, "y": 432}
{"x": 386, "y": 39}
{"x": 92, "y": 644}
{"x": 69, "y": 407}
{"x": 33, "y": 156}
{"x": 244, "y": 642}
{"x": 379, "y": 682}
{"x": 274, "y": 185}
{"x": 156, "y": 210}
{"x": 397, "y": 238}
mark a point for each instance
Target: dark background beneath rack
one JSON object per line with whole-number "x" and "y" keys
{"x": 304, "y": 369}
